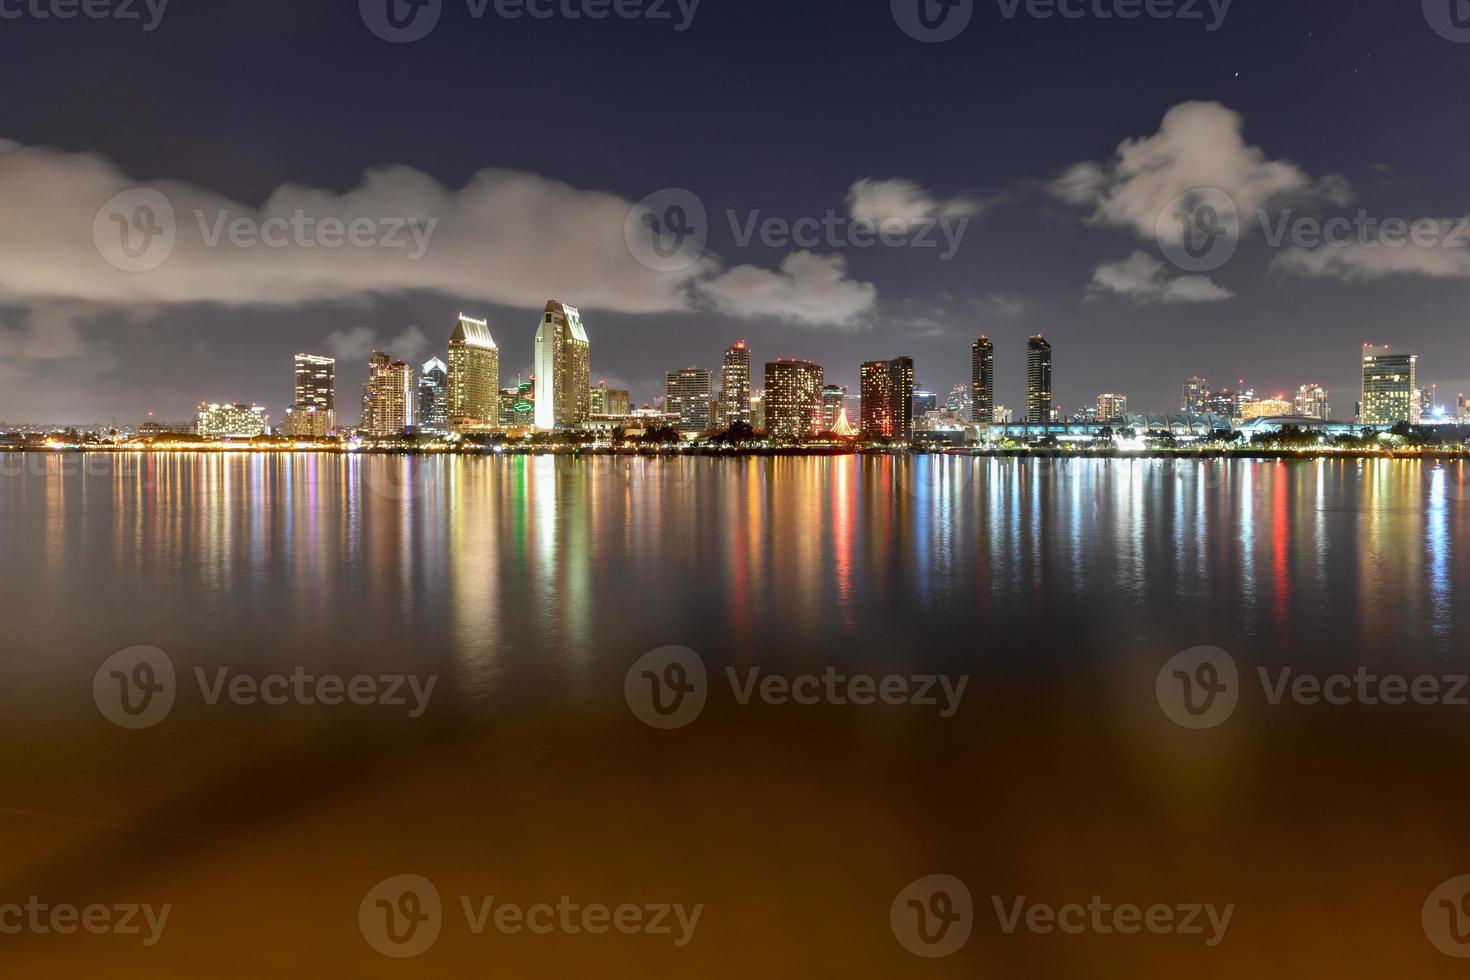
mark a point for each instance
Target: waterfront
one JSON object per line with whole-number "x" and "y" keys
{"x": 529, "y": 585}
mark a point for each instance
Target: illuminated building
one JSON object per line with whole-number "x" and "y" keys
{"x": 687, "y": 394}
{"x": 563, "y": 369}
{"x": 1264, "y": 408}
{"x": 1462, "y": 409}
{"x": 1312, "y": 403}
{"x": 391, "y": 394}
{"x": 888, "y": 399}
{"x": 735, "y": 385}
{"x": 958, "y": 404}
{"x": 232, "y": 421}
{"x": 433, "y": 396}
{"x": 924, "y": 403}
{"x": 518, "y": 406}
{"x": 1195, "y": 397}
{"x": 472, "y": 377}
{"x": 1112, "y": 408}
{"x": 834, "y": 404}
{"x": 793, "y": 399}
{"x": 308, "y": 422}
{"x": 1038, "y": 381}
{"x": 758, "y": 411}
{"x": 982, "y": 382}
{"x": 378, "y": 362}
{"x": 315, "y": 404}
{"x": 1390, "y": 387}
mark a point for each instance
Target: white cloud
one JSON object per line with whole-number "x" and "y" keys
{"x": 810, "y": 289}
{"x": 1144, "y": 279}
{"x": 357, "y": 343}
{"x": 1198, "y": 145}
{"x": 878, "y": 201}
{"x": 1361, "y": 262}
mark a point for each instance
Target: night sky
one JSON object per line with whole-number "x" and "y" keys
{"x": 773, "y": 106}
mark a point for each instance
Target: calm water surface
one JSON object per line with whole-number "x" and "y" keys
{"x": 528, "y": 586}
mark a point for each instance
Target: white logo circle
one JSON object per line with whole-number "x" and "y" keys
{"x": 135, "y": 688}
{"x": 1449, "y": 18}
{"x": 401, "y": 916}
{"x": 667, "y": 689}
{"x": 933, "y": 21}
{"x": 668, "y": 230}
{"x": 401, "y": 21}
{"x": 1199, "y": 230}
{"x": 136, "y": 231}
{"x": 399, "y": 478}
{"x": 1446, "y": 917}
{"x": 933, "y": 917}
{"x": 1199, "y": 688}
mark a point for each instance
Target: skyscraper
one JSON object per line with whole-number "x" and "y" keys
{"x": 888, "y": 399}
{"x": 687, "y": 394}
{"x": 378, "y": 362}
{"x": 982, "y": 382}
{"x": 834, "y": 400}
{"x": 1038, "y": 381}
{"x": 1312, "y": 403}
{"x": 391, "y": 396}
{"x": 1112, "y": 408}
{"x": 1390, "y": 386}
{"x": 793, "y": 399}
{"x": 433, "y": 405}
{"x": 313, "y": 413}
{"x": 1194, "y": 399}
{"x": 563, "y": 369}
{"x": 472, "y": 377}
{"x": 735, "y": 385}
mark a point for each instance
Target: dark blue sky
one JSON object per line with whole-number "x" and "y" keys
{"x": 769, "y": 105}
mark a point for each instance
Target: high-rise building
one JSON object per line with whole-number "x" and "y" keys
{"x": 735, "y": 385}
{"x": 472, "y": 377}
{"x": 307, "y": 422}
{"x": 1390, "y": 386}
{"x": 924, "y": 403}
{"x": 378, "y": 362}
{"x": 982, "y": 382}
{"x": 1312, "y": 403}
{"x": 1112, "y": 408}
{"x": 834, "y": 401}
{"x": 316, "y": 383}
{"x": 1195, "y": 398}
{"x": 232, "y": 421}
{"x": 1462, "y": 409}
{"x": 433, "y": 395}
{"x": 888, "y": 399}
{"x": 958, "y": 403}
{"x": 391, "y": 394}
{"x": 687, "y": 394}
{"x": 1264, "y": 408}
{"x": 758, "y": 411}
{"x": 518, "y": 406}
{"x": 793, "y": 399}
{"x": 1038, "y": 381}
{"x": 563, "y": 369}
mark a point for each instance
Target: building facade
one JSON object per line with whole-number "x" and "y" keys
{"x": 433, "y": 397}
{"x": 735, "y": 385}
{"x": 392, "y": 397}
{"x": 982, "y": 382}
{"x": 1038, "y": 381}
{"x": 834, "y": 402}
{"x": 563, "y": 369}
{"x": 316, "y": 392}
{"x": 232, "y": 421}
{"x": 472, "y": 377}
{"x": 1312, "y": 403}
{"x": 688, "y": 394}
{"x": 1390, "y": 387}
{"x": 1112, "y": 408}
{"x": 888, "y": 399}
{"x": 793, "y": 399}
{"x": 1195, "y": 397}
